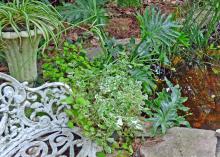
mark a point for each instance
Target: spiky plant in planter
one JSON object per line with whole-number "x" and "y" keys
{"x": 22, "y": 24}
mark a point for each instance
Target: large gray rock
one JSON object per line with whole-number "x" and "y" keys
{"x": 218, "y": 148}
{"x": 183, "y": 142}
{"x": 218, "y": 143}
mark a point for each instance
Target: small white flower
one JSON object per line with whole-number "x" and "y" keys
{"x": 145, "y": 97}
{"x": 137, "y": 124}
{"x": 119, "y": 122}
{"x": 189, "y": 88}
{"x": 168, "y": 89}
{"x": 139, "y": 127}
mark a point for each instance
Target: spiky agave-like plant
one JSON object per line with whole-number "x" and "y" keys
{"x": 157, "y": 30}
{"x": 22, "y": 24}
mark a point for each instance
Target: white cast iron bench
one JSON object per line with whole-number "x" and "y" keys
{"x": 33, "y": 122}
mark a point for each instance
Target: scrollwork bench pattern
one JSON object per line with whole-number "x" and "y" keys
{"x": 33, "y": 122}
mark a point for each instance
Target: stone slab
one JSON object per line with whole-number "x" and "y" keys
{"x": 183, "y": 142}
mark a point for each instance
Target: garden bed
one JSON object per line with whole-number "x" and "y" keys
{"x": 124, "y": 63}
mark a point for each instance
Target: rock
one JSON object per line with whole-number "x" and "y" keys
{"x": 183, "y": 142}
{"x": 217, "y": 133}
{"x": 94, "y": 52}
{"x": 218, "y": 143}
{"x": 127, "y": 41}
{"x": 218, "y": 148}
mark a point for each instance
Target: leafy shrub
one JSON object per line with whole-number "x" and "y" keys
{"x": 108, "y": 99}
{"x": 164, "y": 109}
{"x": 139, "y": 69}
{"x": 158, "y": 28}
{"x": 64, "y": 64}
{"x": 80, "y": 10}
{"x": 114, "y": 113}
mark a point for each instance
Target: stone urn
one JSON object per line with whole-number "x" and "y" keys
{"x": 21, "y": 54}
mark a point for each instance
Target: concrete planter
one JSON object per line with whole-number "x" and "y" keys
{"x": 21, "y": 54}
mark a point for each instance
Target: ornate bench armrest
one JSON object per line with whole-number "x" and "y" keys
{"x": 33, "y": 121}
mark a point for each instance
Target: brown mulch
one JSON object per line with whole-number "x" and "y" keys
{"x": 121, "y": 28}
{"x": 123, "y": 22}
{"x": 3, "y": 68}
{"x": 152, "y": 141}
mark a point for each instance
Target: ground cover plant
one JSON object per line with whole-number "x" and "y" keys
{"x": 110, "y": 95}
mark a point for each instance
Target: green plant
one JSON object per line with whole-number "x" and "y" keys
{"x": 144, "y": 74}
{"x": 164, "y": 109}
{"x": 63, "y": 65}
{"x": 158, "y": 28}
{"x": 22, "y": 25}
{"x": 113, "y": 114}
{"x": 200, "y": 22}
{"x": 28, "y": 15}
{"x": 138, "y": 69}
{"x": 110, "y": 95}
{"x": 158, "y": 33}
{"x": 107, "y": 100}
{"x": 129, "y": 3}
{"x": 84, "y": 9}
{"x": 2, "y": 57}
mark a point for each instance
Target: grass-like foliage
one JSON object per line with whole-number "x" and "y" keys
{"x": 27, "y": 15}
{"x": 200, "y": 22}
